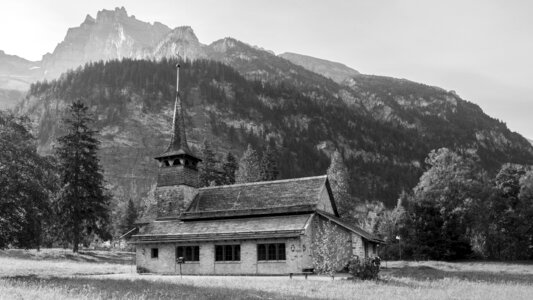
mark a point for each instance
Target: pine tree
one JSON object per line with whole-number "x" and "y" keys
{"x": 82, "y": 202}
{"x": 229, "y": 167}
{"x": 339, "y": 179}
{"x": 26, "y": 182}
{"x": 249, "y": 167}
{"x": 208, "y": 172}
{"x": 130, "y": 216}
{"x": 269, "y": 164}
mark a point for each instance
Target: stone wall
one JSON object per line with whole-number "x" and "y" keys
{"x": 172, "y": 200}
{"x": 166, "y": 262}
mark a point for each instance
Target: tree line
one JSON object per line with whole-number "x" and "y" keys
{"x": 458, "y": 211}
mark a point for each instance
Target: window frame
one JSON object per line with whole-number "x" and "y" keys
{"x": 264, "y": 253}
{"x": 194, "y": 254}
{"x": 228, "y": 253}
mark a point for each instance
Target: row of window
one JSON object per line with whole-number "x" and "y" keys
{"x": 229, "y": 252}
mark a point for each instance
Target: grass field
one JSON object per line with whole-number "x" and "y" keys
{"x": 58, "y": 274}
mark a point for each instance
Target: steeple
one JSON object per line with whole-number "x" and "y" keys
{"x": 178, "y": 142}
{"x": 177, "y": 165}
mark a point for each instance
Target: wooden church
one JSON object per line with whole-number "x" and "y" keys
{"x": 252, "y": 228}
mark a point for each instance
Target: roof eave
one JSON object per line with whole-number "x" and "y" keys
{"x": 169, "y": 238}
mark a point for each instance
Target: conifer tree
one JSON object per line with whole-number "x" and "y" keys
{"x": 230, "y": 167}
{"x": 208, "y": 172}
{"x": 26, "y": 182}
{"x": 269, "y": 164}
{"x": 339, "y": 179}
{"x": 130, "y": 216}
{"x": 249, "y": 167}
{"x": 82, "y": 201}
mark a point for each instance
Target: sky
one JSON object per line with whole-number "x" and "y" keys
{"x": 481, "y": 49}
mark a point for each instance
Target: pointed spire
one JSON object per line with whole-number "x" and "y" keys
{"x": 179, "y": 139}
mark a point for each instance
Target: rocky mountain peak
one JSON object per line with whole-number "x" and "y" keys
{"x": 89, "y": 20}
{"x": 224, "y": 44}
{"x": 181, "y": 40}
{"x": 105, "y": 15}
{"x": 185, "y": 33}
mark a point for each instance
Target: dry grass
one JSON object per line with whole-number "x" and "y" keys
{"x": 66, "y": 279}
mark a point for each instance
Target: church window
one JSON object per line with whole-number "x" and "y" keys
{"x": 189, "y": 253}
{"x": 271, "y": 251}
{"x": 227, "y": 252}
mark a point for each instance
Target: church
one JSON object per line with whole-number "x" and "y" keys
{"x": 246, "y": 229}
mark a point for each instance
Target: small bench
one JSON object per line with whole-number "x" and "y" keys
{"x": 304, "y": 272}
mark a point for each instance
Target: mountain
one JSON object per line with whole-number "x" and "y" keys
{"x": 17, "y": 73}
{"x": 237, "y": 94}
{"x": 182, "y": 41}
{"x": 384, "y": 150}
{"x": 531, "y": 141}
{"x": 334, "y": 70}
{"x": 112, "y": 35}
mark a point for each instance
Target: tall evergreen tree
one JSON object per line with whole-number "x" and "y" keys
{"x": 339, "y": 179}
{"x": 269, "y": 164}
{"x": 249, "y": 167}
{"x": 130, "y": 216}
{"x": 82, "y": 202}
{"x": 26, "y": 183}
{"x": 208, "y": 172}
{"x": 230, "y": 167}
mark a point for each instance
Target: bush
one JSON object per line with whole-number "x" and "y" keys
{"x": 364, "y": 269}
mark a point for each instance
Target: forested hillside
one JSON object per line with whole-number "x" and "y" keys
{"x": 384, "y": 127}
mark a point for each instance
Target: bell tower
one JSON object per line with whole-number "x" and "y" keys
{"x": 177, "y": 179}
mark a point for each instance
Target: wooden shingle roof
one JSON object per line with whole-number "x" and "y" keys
{"x": 209, "y": 230}
{"x": 260, "y": 195}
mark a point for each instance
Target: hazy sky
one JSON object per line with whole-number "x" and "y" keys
{"x": 481, "y": 49}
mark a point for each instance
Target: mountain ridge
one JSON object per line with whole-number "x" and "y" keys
{"x": 337, "y": 71}
{"x": 238, "y": 94}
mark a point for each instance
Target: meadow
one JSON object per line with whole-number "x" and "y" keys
{"x": 59, "y": 274}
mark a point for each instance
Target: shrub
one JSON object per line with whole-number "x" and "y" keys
{"x": 364, "y": 269}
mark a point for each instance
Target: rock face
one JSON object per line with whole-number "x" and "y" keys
{"x": 334, "y": 70}
{"x": 112, "y": 35}
{"x": 182, "y": 41}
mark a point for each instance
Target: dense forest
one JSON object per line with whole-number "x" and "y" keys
{"x": 306, "y": 122}
{"x": 299, "y": 127}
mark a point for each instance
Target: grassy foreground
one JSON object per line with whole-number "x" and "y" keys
{"x": 52, "y": 276}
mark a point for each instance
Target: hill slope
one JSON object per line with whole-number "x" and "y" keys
{"x": 334, "y": 70}
{"x": 382, "y": 132}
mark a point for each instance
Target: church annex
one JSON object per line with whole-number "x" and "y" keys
{"x": 253, "y": 228}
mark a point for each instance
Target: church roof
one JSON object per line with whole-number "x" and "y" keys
{"x": 299, "y": 192}
{"x": 353, "y": 228}
{"x": 220, "y": 229}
